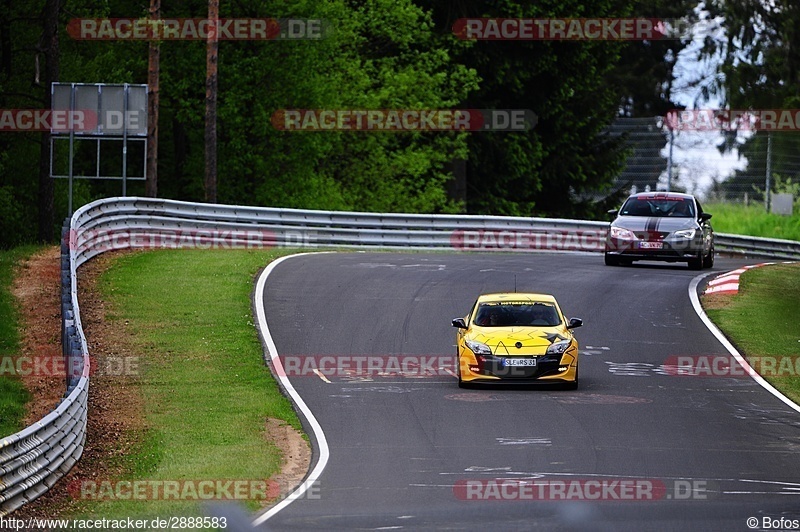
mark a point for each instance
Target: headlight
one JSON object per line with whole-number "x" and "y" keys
{"x": 685, "y": 233}
{"x": 558, "y": 348}
{"x": 622, "y": 234}
{"x": 478, "y": 348}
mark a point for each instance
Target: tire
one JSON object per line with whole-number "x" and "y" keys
{"x": 461, "y": 384}
{"x": 611, "y": 260}
{"x": 697, "y": 262}
{"x": 708, "y": 261}
{"x": 573, "y": 385}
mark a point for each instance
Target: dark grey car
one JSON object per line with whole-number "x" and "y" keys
{"x": 663, "y": 226}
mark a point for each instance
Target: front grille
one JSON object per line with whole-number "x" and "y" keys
{"x": 651, "y": 235}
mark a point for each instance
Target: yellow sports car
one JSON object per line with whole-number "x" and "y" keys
{"x": 516, "y": 338}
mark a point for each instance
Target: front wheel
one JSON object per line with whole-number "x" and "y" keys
{"x": 697, "y": 262}
{"x": 611, "y": 260}
{"x": 708, "y": 261}
{"x": 461, "y": 383}
{"x": 573, "y": 385}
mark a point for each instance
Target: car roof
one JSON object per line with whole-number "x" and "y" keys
{"x": 662, "y": 195}
{"x": 525, "y": 297}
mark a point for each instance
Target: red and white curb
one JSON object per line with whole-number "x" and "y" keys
{"x": 728, "y": 283}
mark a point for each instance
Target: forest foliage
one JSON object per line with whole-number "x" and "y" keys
{"x": 378, "y": 54}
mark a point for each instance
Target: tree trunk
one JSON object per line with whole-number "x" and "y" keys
{"x": 153, "y": 71}
{"x": 51, "y": 61}
{"x": 457, "y": 186}
{"x": 211, "y": 105}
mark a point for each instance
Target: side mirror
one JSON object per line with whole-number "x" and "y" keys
{"x": 613, "y": 212}
{"x": 574, "y": 323}
{"x": 460, "y": 323}
{"x": 704, "y": 217}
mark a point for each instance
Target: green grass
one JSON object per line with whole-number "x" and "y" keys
{"x": 13, "y": 395}
{"x": 761, "y": 320}
{"x": 205, "y": 387}
{"x": 753, "y": 220}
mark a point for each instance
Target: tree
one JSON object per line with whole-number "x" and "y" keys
{"x": 379, "y": 54}
{"x": 153, "y": 74}
{"x": 51, "y": 54}
{"x": 212, "y": 48}
{"x": 760, "y": 69}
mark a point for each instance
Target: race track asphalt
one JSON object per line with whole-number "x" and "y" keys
{"x": 715, "y": 450}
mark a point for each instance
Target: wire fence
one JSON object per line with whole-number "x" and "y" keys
{"x": 716, "y": 166}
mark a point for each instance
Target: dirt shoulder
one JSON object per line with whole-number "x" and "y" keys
{"x": 115, "y": 409}
{"x": 37, "y": 289}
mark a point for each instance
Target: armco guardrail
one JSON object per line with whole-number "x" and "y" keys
{"x": 32, "y": 460}
{"x": 766, "y": 248}
{"x": 137, "y": 222}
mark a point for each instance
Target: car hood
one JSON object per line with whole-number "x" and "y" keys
{"x": 662, "y": 224}
{"x": 503, "y": 341}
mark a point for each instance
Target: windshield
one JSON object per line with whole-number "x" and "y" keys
{"x": 520, "y": 314}
{"x": 673, "y": 206}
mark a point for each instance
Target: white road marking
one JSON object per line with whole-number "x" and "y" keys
{"x": 272, "y": 350}
{"x": 630, "y": 369}
{"x": 524, "y": 441}
{"x": 321, "y": 375}
{"x": 481, "y": 469}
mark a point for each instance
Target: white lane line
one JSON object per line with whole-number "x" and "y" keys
{"x": 322, "y": 442}
{"x": 524, "y": 441}
{"x": 698, "y": 308}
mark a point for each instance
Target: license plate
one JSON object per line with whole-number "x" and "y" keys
{"x": 519, "y": 362}
{"x": 651, "y": 245}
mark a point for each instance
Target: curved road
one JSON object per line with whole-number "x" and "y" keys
{"x": 704, "y": 453}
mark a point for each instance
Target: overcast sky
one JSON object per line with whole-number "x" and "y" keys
{"x": 696, "y": 153}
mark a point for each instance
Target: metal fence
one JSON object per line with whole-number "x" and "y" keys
{"x": 714, "y": 165}
{"x": 32, "y": 460}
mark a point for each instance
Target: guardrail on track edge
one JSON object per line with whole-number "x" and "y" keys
{"x": 32, "y": 460}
